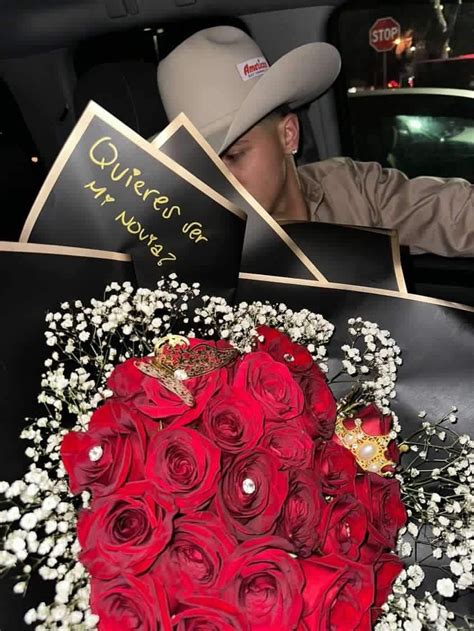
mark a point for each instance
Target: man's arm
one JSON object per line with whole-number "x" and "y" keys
{"x": 431, "y": 214}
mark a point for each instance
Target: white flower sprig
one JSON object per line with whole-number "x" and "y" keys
{"x": 372, "y": 358}
{"x": 437, "y": 485}
{"x": 239, "y": 324}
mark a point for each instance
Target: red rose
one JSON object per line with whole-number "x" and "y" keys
{"x": 194, "y": 559}
{"x": 282, "y": 349}
{"x": 336, "y": 468}
{"x": 126, "y": 380}
{"x": 381, "y": 498}
{"x": 271, "y": 383}
{"x": 149, "y": 396}
{"x": 129, "y": 603}
{"x": 233, "y": 420}
{"x": 302, "y": 513}
{"x": 290, "y": 443}
{"x": 251, "y": 494}
{"x": 208, "y": 614}
{"x": 374, "y": 423}
{"x": 159, "y": 402}
{"x": 345, "y": 528}
{"x": 320, "y": 405}
{"x": 387, "y": 568}
{"x": 264, "y": 583}
{"x": 110, "y": 453}
{"x": 126, "y": 531}
{"x": 185, "y": 464}
{"x": 338, "y": 594}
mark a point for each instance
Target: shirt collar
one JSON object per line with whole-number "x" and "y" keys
{"x": 312, "y": 192}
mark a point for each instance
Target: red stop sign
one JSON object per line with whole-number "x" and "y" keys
{"x": 383, "y": 33}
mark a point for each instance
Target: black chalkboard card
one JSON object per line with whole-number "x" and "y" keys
{"x": 110, "y": 189}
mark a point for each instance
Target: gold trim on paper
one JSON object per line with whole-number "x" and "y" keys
{"x": 356, "y": 288}
{"x": 183, "y": 121}
{"x": 397, "y": 262}
{"x": 395, "y": 247}
{"x": 94, "y": 110}
{"x": 64, "y": 250}
{"x": 39, "y": 248}
{"x": 54, "y": 173}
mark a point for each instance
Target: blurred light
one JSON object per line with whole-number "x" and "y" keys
{"x": 448, "y": 49}
{"x": 411, "y": 81}
{"x": 34, "y": 159}
{"x": 352, "y": 90}
{"x": 415, "y": 124}
{"x": 148, "y": 28}
{"x": 441, "y": 6}
{"x": 397, "y": 41}
{"x": 412, "y": 49}
{"x": 160, "y": 30}
{"x": 393, "y": 84}
{"x": 441, "y": 139}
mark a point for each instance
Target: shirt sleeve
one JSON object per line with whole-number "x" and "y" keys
{"x": 430, "y": 214}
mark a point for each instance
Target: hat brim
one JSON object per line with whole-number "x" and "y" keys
{"x": 297, "y": 78}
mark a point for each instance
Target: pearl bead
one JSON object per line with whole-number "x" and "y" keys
{"x": 96, "y": 453}
{"x": 349, "y": 439}
{"x": 248, "y": 486}
{"x": 373, "y": 468}
{"x": 366, "y": 452}
{"x": 180, "y": 374}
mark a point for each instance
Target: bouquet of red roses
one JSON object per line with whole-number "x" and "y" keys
{"x": 228, "y": 493}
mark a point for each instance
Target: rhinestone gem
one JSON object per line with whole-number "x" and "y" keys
{"x": 180, "y": 374}
{"x": 96, "y": 453}
{"x": 288, "y": 358}
{"x": 248, "y": 486}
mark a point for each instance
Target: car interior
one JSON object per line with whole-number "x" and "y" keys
{"x": 56, "y": 55}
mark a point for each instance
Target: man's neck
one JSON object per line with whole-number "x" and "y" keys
{"x": 291, "y": 205}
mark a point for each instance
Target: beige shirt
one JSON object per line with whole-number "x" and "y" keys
{"x": 430, "y": 214}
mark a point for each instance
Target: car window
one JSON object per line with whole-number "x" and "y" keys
{"x": 421, "y": 131}
{"x": 407, "y": 85}
{"x": 407, "y": 44}
{"x": 118, "y": 71}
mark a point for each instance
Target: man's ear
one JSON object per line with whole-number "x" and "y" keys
{"x": 289, "y": 133}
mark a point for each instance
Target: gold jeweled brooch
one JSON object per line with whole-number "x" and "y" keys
{"x": 369, "y": 451}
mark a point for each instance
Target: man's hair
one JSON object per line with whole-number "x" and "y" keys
{"x": 275, "y": 115}
{"x": 280, "y": 112}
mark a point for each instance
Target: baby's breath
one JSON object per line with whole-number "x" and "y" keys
{"x": 437, "y": 486}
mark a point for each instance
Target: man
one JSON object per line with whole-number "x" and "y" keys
{"x": 221, "y": 80}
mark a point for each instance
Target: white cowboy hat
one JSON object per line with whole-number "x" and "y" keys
{"x": 221, "y": 80}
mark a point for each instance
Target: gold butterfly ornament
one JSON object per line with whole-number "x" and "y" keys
{"x": 175, "y": 361}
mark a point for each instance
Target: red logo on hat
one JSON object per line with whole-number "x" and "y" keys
{"x": 252, "y": 68}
